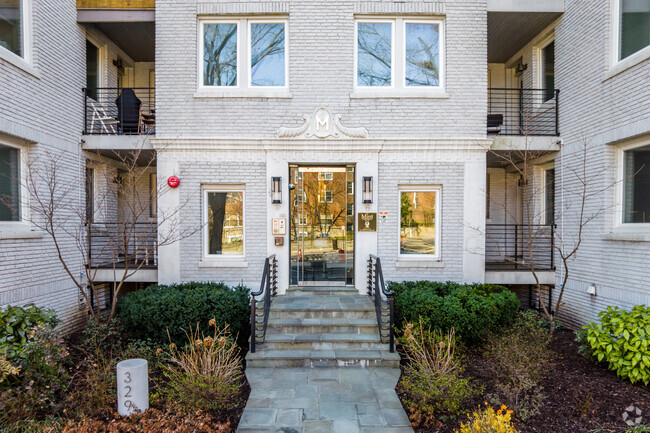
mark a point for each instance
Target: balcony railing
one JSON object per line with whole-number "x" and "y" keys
{"x": 119, "y": 111}
{"x": 523, "y": 112}
{"x": 115, "y": 244}
{"x": 518, "y": 246}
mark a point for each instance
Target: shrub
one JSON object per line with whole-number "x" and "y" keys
{"x": 518, "y": 358}
{"x": 622, "y": 339}
{"x": 16, "y": 324}
{"x": 489, "y": 421}
{"x": 207, "y": 373}
{"x": 152, "y": 312}
{"x": 472, "y": 310}
{"x": 432, "y": 384}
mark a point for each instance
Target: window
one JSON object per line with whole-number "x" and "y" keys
{"x": 326, "y": 197}
{"x": 350, "y": 187}
{"x": 9, "y": 183}
{"x": 326, "y": 220}
{"x": 487, "y": 196}
{"x": 92, "y": 69}
{"x": 153, "y": 189}
{"x": 399, "y": 53}
{"x": 547, "y": 65}
{"x": 549, "y": 196}
{"x": 90, "y": 194}
{"x": 636, "y": 185}
{"x": 261, "y": 42}
{"x": 14, "y": 31}
{"x": 419, "y": 222}
{"x": 224, "y": 218}
{"x": 634, "y": 26}
{"x": 325, "y": 175}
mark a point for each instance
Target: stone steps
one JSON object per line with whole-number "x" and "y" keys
{"x": 322, "y": 358}
{"x": 323, "y": 341}
{"x": 322, "y": 325}
{"x": 321, "y": 290}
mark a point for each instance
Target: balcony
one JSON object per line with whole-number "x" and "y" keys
{"x": 512, "y": 250}
{"x": 119, "y": 111}
{"x": 114, "y": 246}
{"x": 115, "y": 11}
{"x": 523, "y": 112}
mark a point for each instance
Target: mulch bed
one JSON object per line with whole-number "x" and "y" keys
{"x": 581, "y": 396}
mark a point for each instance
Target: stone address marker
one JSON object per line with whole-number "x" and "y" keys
{"x": 132, "y": 386}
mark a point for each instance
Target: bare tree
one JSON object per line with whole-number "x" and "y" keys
{"x": 121, "y": 229}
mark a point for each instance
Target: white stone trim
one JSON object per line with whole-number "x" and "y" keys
{"x": 617, "y": 66}
{"x": 221, "y": 260}
{"x": 621, "y": 230}
{"x": 24, "y": 62}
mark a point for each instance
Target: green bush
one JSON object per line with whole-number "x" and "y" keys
{"x": 472, "y": 310}
{"x": 153, "y": 312}
{"x": 16, "y": 324}
{"x": 622, "y": 339}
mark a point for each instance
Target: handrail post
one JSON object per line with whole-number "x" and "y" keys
{"x": 557, "y": 112}
{"x": 552, "y": 246}
{"x": 391, "y": 341}
{"x": 85, "y": 92}
{"x": 516, "y": 246}
{"x": 521, "y": 111}
{"x": 252, "y": 324}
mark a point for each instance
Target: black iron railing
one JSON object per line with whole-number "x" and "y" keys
{"x": 523, "y": 112}
{"x": 518, "y": 246}
{"x": 268, "y": 289}
{"x": 384, "y": 302}
{"x": 117, "y": 244}
{"x": 119, "y": 111}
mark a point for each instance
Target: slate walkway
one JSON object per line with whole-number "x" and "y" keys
{"x": 323, "y": 400}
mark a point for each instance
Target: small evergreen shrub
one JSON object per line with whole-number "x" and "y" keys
{"x": 432, "y": 385}
{"x": 489, "y": 421}
{"x": 622, "y": 339}
{"x": 472, "y": 310}
{"x": 16, "y": 324}
{"x": 152, "y": 312}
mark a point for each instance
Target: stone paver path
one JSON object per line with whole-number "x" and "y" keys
{"x": 323, "y": 400}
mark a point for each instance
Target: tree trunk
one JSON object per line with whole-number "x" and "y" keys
{"x": 217, "y": 204}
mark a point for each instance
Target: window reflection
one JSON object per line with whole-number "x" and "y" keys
{"x": 417, "y": 222}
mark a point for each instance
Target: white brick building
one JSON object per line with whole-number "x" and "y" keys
{"x": 360, "y": 111}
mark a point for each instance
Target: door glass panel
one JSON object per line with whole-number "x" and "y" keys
{"x": 322, "y": 225}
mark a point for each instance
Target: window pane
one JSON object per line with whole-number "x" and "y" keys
{"x": 418, "y": 225}
{"x": 549, "y": 200}
{"x": 9, "y": 184}
{"x": 90, "y": 194}
{"x": 225, "y": 223}
{"x": 635, "y": 26}
{"x": 548, "y": 70}
{"x": 220, "y": 54}
{"x": 422, "y": 55}
{"x": 374, "y": 56}
{"x": 92, "y": 70}
{"x": 267, "y": 55}
{"x": 636, "y": 200}
{"x": 11, "y": 26}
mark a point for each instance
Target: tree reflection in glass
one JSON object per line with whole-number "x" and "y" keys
{"x": 374, "y": 54}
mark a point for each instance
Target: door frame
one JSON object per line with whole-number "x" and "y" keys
{"x": 354, "y": 225}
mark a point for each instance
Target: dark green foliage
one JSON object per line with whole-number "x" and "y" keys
{"x": 152, "y": 312}
{"x": 472, "y": 310}
{"x": 16, "y": 324}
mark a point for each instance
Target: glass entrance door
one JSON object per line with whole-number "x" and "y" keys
{"x": 322, "y": 225}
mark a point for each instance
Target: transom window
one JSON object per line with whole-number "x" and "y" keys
{"x": 256, "y": 47}
{"x": 224, "y": 221}
{"x": 634, "y": 26}
{"x": 9, "y": 183}
{"x": 636, "y": 185}
{"x": 419, "y": 222}
{"x": 399, "y": 53}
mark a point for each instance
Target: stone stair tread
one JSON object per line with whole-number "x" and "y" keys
{"x": 304, "y": 338}
{"x": 334, "y": 321}
{"x": 322, "y": 354}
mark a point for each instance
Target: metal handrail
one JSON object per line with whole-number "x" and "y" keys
{"x": 522, "y": 112}
{"x": 118, "y": 244}
{"x": 520, "y": 246}
{"x": 377, "y": 288}
{"x": 119, "y": 110}
{"x": 268, "y": 288}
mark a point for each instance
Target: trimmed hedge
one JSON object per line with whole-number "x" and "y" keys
{"x": 472, "y": 310}
{"x": 151, "y": 312}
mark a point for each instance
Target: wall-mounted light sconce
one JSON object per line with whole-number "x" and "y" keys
{"x": 592, "y": 290}
{"x": 367, "y": 189}
{"x": 276, "y": 190}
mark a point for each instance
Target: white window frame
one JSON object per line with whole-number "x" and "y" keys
{"x": 324, "y": 199}
{"x": 617, "y": 66}
{"x": 542, "y": 198}
{"x": 24, "y": 62}
{"x": 101, "y": 62}
{"x": 153, "y": 196}
{"x": 438, "y": 241}
{"x": 398, "y": 87}
{"x": 244, "y": 87}
{"x": 22, "y": 224}
{"x": 204, "y": 219}
{"x": 539, "y": 73}
{"x": 325, "y": 175}
{"x": 619, "y": 225}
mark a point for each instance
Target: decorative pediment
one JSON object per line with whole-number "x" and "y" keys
{"x": 321, "y": 124}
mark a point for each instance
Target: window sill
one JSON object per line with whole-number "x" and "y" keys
{"x": 399, "y": 93}
{"x": 18, "y": 62}
{"x": 19, "y": 231}
{"x": 627, "y": 63}
{"x": 223, "y": 263}
{"x": 401, "y": 263}
{"x": 243, "y": 93}
{"x": 642, "y": 234}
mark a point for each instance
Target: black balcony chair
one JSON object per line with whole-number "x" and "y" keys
{"x": 128, "y": 111}
{"x": 494, "y": 123}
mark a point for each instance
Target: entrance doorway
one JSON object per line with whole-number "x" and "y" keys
{"x": 322, "y": 225}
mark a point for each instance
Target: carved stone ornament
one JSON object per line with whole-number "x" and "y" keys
{"x": 321, "y": 124}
